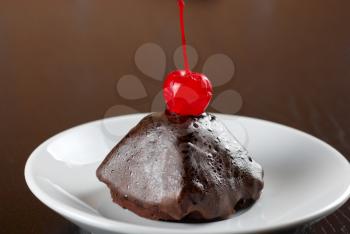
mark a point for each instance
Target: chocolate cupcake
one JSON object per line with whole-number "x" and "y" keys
{"x": 181, "y": 168}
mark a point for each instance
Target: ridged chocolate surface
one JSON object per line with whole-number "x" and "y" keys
{"x": 181, "y": 168}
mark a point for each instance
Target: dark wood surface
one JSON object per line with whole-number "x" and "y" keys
{"x": 60, "y": 60}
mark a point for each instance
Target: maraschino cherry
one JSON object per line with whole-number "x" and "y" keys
{"x": 186, "y": 92}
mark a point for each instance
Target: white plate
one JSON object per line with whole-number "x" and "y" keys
{"x": 305, "y": 179}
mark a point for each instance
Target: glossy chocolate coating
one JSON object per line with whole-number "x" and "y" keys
{"x": 172, "y": 167}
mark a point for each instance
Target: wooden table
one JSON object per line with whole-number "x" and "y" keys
{"x": 60, "y": 61}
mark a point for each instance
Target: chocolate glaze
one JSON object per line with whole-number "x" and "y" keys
{"x": 172, "y": 167}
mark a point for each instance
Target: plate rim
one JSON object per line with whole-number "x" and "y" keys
{"x": 114, "y": 226}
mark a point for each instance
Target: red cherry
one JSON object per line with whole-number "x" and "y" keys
{"x": 186, "y": 92}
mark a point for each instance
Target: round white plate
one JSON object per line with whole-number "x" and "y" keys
{"x": 305, "y": 179}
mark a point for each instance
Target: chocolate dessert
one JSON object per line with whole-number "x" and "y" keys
{"x": 182, "y": 165}
{"x": 181, "y": 168}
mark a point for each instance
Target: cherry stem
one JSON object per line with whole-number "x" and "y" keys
{"x": 181, "y": 4}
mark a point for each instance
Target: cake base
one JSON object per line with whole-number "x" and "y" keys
{"x": 181, "y": 168}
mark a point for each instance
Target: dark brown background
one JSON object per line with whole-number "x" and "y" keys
{"x": 59, "y": 62}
